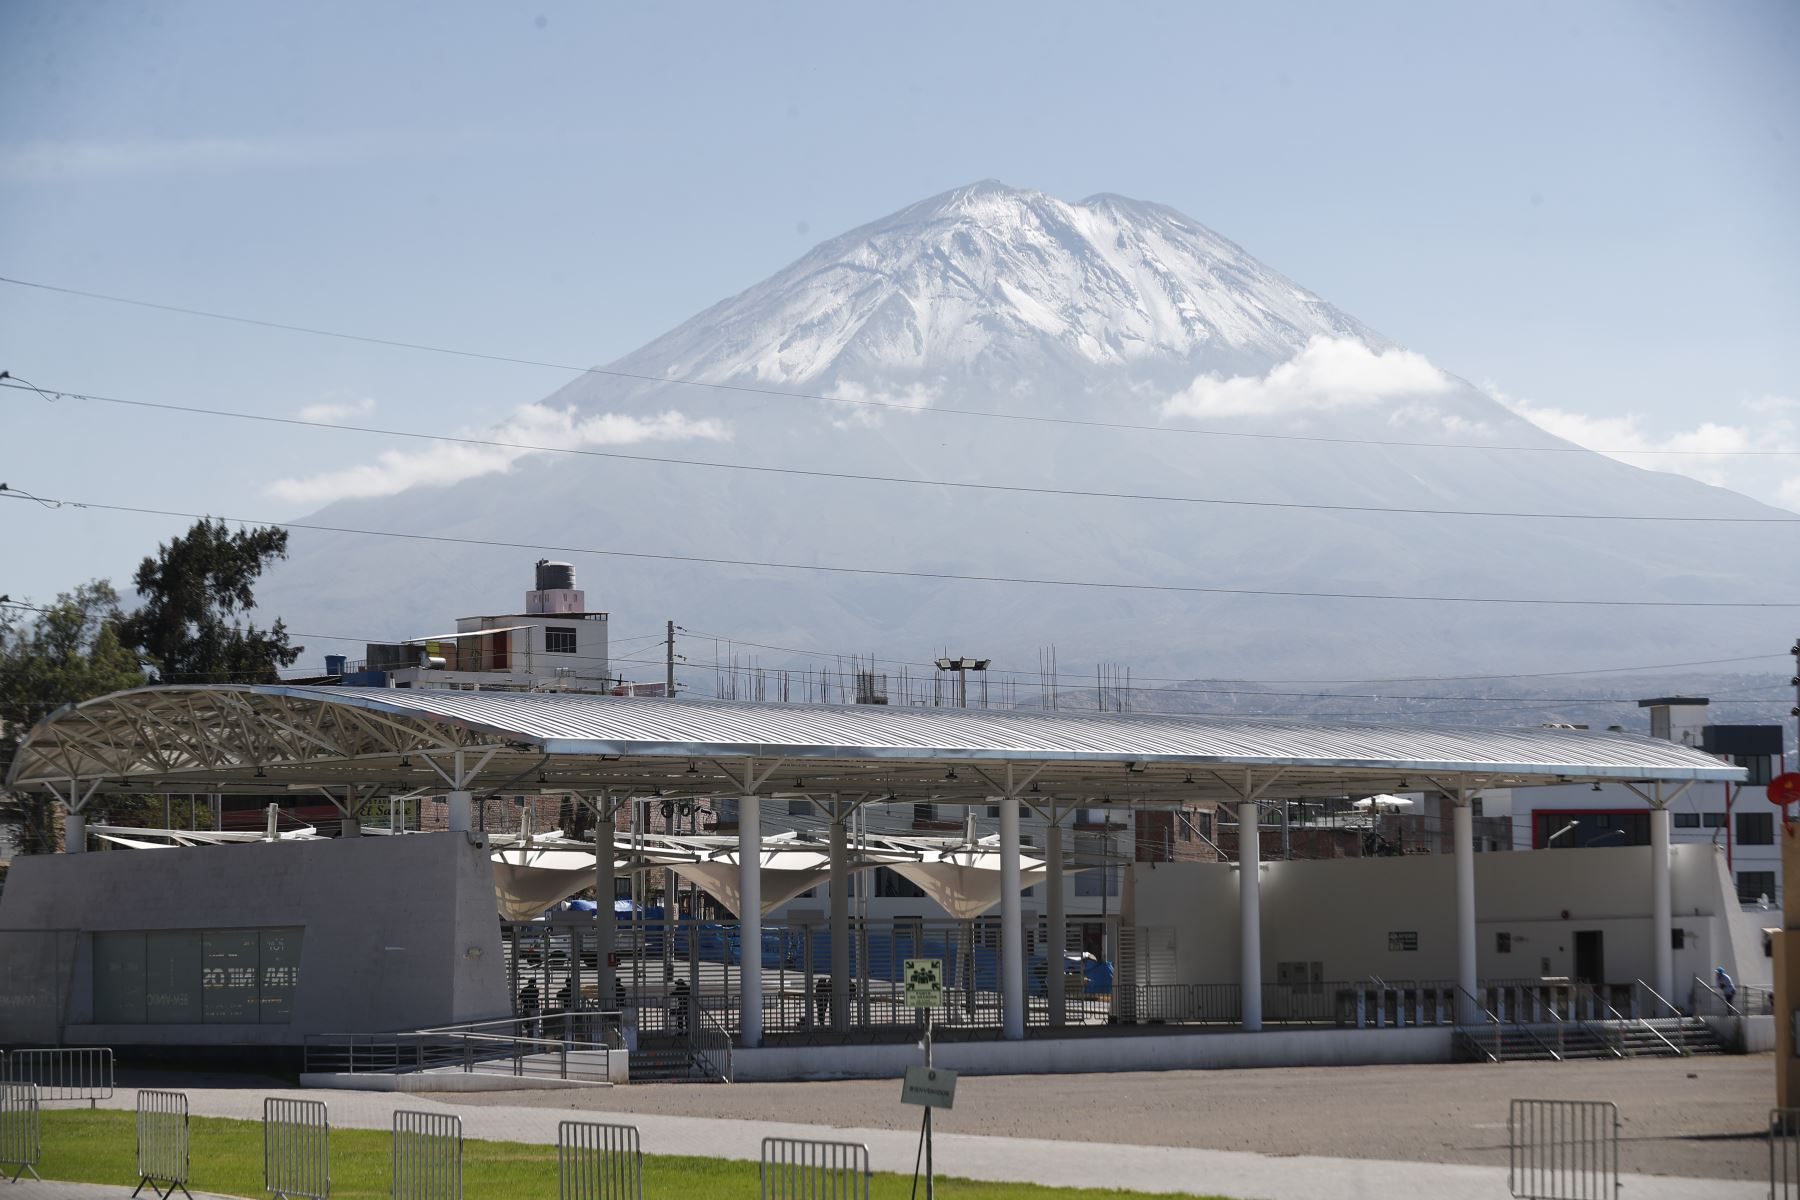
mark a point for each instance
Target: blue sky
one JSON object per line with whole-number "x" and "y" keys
{"x": 1589, "y": 208}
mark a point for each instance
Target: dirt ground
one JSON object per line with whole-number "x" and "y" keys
{"x": 1701, "y": 1118}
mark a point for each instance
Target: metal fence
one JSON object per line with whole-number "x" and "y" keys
{"x": 21, "y": 1129}
{"x": 296, "y": 1149}
{"x": 1784, "y": 1153}
{"x": 427, "y": 1156}
{"x": 162, "y": 1142}
{"x": 796, "y": 1169}
{"x": 1563, "y": 1149}
{"x": 597, "y": 1161}
{"x": 65, "y": 1073}
{"x": 558, "y": 1045}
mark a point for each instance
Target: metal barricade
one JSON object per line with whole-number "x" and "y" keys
{"x": 597, "y": 1161}
{"x": 296, "y": 1149}
{"x": 796, "y": 1169}
{"x": 1563, "y": 1149}
{"x": 162, "y": 1143}
{"x": 427, "y": 1156}
{"x": 21, "y": 1129}
{"x": 68, "y": 1073}
{"x": 1784, "y": 1154}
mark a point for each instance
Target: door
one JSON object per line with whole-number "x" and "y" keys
{"x": 1590, "y": 957}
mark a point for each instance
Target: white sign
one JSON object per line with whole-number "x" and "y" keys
{"x": 929, "y": 1087}
{"x": 924, "y": 982}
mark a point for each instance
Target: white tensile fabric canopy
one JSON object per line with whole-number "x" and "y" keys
{"x": 529, "y": 880}
{"x": 965, "y": 880}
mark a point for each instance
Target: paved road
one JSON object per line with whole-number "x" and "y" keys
{"x": 1290, "y": 1109}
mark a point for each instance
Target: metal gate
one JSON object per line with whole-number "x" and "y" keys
{"x": 597, "y": 1161}
{"x": 427, "y": 1156}
{"x": 795, "y": 1169}
{"x": 1563, "y": 1149}
{"x": 70, "y": 1073}
{"x": 1784, "y": 1154}
{"x": 21, "y": 1132}
{"x": 296, "y": 1149}
{"x": 162, "y": 1142}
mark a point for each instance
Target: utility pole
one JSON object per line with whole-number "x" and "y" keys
{"x": 669, "y": 675}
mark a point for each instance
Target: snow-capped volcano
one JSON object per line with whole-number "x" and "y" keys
{"x": 988, "y": 274}
{"x": 1146, "y": 354}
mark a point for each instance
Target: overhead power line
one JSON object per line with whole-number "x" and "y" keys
{"x": 857, "y": 402}
{"x": 895, "y": 573}
{"x": 907, "y": 481}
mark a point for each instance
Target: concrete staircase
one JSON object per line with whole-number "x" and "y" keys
{"x": 1665, "y": 1037}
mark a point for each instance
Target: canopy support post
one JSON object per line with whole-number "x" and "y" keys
{"x": 839, "y": 891}
{"x": 750, "y": 1003}
{"x": 1467, "y": 974}
{"x": 1249, "y": 915}
{"x": 1057, "y": 950}
{"x": 1012, "y": 931}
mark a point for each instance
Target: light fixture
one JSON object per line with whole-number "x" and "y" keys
{"x": 950, "y": 775}
{"x": 1596, "y": 787}
{"x": 405, "y": 762}
{"x": 1188, "y": 778}
{"x": 692, "y": 769}
{"x": 260, "y": 773}
{"x": 799, "y": 784}
{"x": 1034, "y": 789}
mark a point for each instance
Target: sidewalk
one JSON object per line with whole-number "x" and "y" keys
{"x": 1237, "y": 1174}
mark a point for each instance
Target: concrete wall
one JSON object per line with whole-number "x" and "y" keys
{"x": 399, "y": 932}
{"x": 1060, "y": 1056}
{"x": 1340, "y": 912}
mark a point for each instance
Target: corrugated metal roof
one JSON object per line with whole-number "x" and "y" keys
{"x": 574, "y": 724}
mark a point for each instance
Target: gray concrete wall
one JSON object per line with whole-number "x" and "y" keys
{"x": 400, "y": 932}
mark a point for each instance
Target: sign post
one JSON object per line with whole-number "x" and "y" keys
{"x": 926, "y": 1086}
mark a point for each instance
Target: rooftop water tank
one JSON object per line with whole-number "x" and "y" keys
{"x": 555, "y": 576}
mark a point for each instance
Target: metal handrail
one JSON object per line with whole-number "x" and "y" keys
{"x": 1499, "y": 1021}
{"x": 1681, "y": 1049}
{"x": 1732, "y": 1008}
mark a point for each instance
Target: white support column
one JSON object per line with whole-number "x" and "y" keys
{"x": 1662, "y": 919}
{"x": 839, "y": 891}
{"x": 1055, "y": 918}
{"x": 1467, "y": 981}
{"x": 1012, "y": 927}
{"x": 606, "y": 921}
{"x": 1250, "y": 914}
{"x": 750, "y": 1003}
{"x": 461, "y": 808}
{"x": 74, "y": 833}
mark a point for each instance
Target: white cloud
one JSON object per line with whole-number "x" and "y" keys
{"x": 452, "y": 462}
{"x": 1759, "y": 457}
{"x": 873, "y": 402}
{"x": 1328, "y": 373}
{"x": 333, "y": 411}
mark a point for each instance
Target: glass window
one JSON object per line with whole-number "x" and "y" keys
{"x": 559, "y": 639}
{"x": 895, "y": 886}
{"x": 1752, "y": 886}
{"x": 1687, "y": 820}
{"x": 196, "y": 976}
{"x": 925, "y": 813}
{"x": 1761, "y": 768}
{"x": 1713, "y": 820}
{"x": 1756, "y": 828}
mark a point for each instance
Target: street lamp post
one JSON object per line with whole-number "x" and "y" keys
{"x": 962, "y": 667}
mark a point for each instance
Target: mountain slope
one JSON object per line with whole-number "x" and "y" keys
{"x": 990, "y": 299}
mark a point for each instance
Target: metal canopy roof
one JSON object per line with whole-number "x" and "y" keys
{"x": 280, "y": 739}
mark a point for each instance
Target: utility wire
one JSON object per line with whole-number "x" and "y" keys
{"x": 895, "y": 573}
{"x": 787, "y": 394}
{"x": 903, "y": 480}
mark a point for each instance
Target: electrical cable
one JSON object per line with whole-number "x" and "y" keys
{"x": 949, "y": 576}
{"x": 781, "y": 393}
{"x": 909, "y": 481}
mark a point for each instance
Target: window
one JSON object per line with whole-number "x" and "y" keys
{"x": 924, "y": 814}
{"x": 1503, "y": 942}
{"x": 1090, "y": 882}
{"x": 1760, "y": 766}
{"x": 1752, "y": 886}
{"x": 1687, "y": 820}
{"x": 196, "y": 976}
{"x": 895, "y": 886}
{"x": 559, "y": 639}
{"x": 799, "y": 808}
{"x": 1714, "y": 820}
{"x": 1756, "y": 828}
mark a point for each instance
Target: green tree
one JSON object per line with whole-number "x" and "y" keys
{"x": 195, "y": 590}
{"x": 68, "y": 651}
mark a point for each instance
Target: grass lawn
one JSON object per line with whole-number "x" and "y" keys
{"x": 88, "y": 1146}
